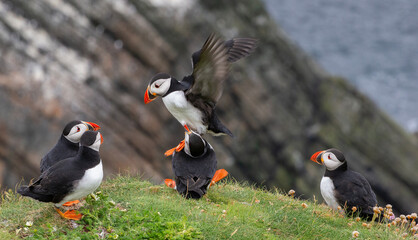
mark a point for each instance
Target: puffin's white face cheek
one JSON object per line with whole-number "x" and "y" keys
{"x": 186, "y": 144}
{"x": 97, "y": 143}
{"x": 76, "y": 132}
{"x": 330, "y": 161}
{"x": 161, "y": 86}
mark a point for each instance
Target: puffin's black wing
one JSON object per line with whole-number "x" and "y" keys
{"x": 354, "y": 190}
{"x": 238, "y": 48}
{"x": 62, "y": 150}
{"x": 46, "y": 162}
{"x": 211, "y": 64}
{"x": 35, "y": 192}
{"x": 210, "y": 68}
{"x": 189, "y": 167}
{"x": 193, "y": 175}
{"x": 55, "y": 183}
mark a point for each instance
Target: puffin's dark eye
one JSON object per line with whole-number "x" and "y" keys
{"x": 329, "y": 156}
{"x": 78, "y": 129}
{"x": 157, "y": 86}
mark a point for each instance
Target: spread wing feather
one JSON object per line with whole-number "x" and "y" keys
{"x": 238, "y": 48}
{"x": 210, "y": 69}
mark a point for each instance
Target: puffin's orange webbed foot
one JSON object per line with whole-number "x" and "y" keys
{"x": 177, "y": 149}
{"x": 219, "y": 174}
{"x": 70, "y": 214}
{"x": 71, "y": 203}
{"x": 170, "y": 183}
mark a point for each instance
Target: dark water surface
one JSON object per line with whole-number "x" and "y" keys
{"x": 372, "y": 43}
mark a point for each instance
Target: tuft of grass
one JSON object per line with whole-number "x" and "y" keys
{"x": 130, "y": 208}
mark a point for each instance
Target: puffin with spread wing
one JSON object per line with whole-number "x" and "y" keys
{"x": 192, "y": 101}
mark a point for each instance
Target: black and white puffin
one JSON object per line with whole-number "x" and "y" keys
{"x": 343, "y": 187}
{"x": 71, "y": 178}
{"x": 68, "y": 143}
{"x": 192, "y": 101}
{"x": 194, "y": 167}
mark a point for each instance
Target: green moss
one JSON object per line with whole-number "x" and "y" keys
{"x": 129, "y": 208}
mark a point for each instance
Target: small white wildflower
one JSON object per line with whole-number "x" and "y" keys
{"x": 355, "y": 234}
{"x": 29, "y": 224}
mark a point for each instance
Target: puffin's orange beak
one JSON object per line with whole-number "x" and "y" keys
{"x": 148, "y": 96}
{"x": 94, "y": 126}
{"x": 317, "y": 157}
{"x": 101, "y": 139}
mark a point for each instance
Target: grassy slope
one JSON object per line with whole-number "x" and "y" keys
{"x": 129, "y": 208}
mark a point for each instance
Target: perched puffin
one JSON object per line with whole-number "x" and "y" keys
{"x": 195, "y": 167}
{"x": 192, "y": 101}
{"x": 342, "y": 187}
{"x": 71, "y": 178}
{"x": 67, "y": 145}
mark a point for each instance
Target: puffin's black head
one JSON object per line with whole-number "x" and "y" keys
{"x": 194, "y": 145}
{"x": 331, "y": 158}
{"x": 75, "y": 129}
{"x": 158, "y": 86}
{"x": 92, "y": 140}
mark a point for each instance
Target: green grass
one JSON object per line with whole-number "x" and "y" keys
{"x": 130, "y": 208}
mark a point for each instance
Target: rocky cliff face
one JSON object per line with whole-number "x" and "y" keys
{"x": 92, "y": 60}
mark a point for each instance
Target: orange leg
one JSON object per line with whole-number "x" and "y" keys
{"x": 71, "y": 214}
{"x": 170, "y": 183}
{"x": 219, "y": 174}
{"x": 71, "y": 203}
{"x": 177, "y": 149}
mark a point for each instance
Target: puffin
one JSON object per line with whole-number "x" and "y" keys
{"x": 195, "y": 167}
{"x": 71, "y": 178}
{"x": 68, "y": 143}
{"x": 342, "y": 187}
{"x": 192, "y": 101}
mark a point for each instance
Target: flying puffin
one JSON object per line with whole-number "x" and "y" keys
{"x": 192, "y": 101}
{"x": 67, "y": 145}
{"x": 71, "y": 178}
{"x": 194, "y": 167}
{"x": 342, "y": 187}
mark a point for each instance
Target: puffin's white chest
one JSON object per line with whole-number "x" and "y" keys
{"x": 327, "y": 192}
{"x": 90, "y": 182}
{"x": 184, "y": 111}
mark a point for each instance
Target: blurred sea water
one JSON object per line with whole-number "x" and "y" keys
{"x": 374, "y": 44}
